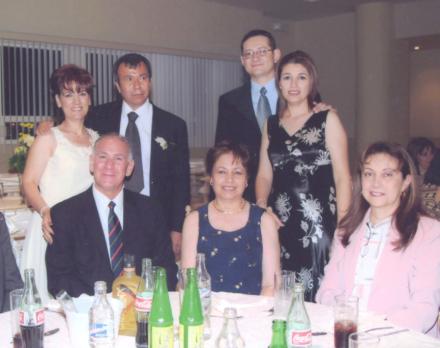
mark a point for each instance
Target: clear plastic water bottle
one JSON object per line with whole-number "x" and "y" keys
{"x": 204, "y": 284}
{"x": 101, "y": 319}
{"x": 229, "y": 336}
{"x": 298, "y": 331}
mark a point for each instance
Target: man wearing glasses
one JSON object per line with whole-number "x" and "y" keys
{"x": 243, "y": 110}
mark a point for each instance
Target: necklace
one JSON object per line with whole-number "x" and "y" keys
{"x": 229, "y": 212}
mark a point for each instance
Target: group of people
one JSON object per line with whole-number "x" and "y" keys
{"x": 283, "y": 197}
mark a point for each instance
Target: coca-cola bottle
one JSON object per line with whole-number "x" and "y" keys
{"x": 101, "y": 319}
{"x": 31, "y": 314}
{"x": 298, "y": 331}
{"x": 204, "y": 285}
{"x": 144, "y": 298}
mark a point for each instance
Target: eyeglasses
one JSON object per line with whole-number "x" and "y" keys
{"x": 260, "y": 52}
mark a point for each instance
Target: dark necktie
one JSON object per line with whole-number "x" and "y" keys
{"x": 115, "y": 240}
{"x": 136, "y": 181}
{"x": 263, "y": 107}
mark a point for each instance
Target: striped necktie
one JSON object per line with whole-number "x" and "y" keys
{"x": 115, "y": 239}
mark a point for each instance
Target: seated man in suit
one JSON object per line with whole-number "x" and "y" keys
{"x": 10, "y": 278}
{"x": 95, "y": 228}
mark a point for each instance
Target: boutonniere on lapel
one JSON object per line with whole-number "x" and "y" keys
{"x": 162, "y": 142}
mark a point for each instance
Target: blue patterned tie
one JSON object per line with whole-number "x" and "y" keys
{"x": 115, "y": 239}
{"x": 263, "y": 107}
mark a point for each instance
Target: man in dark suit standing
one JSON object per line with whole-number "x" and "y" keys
{"x": 95, "y": 228}
{"x": 243, "y": 110}
{"x": 158, "y": 139}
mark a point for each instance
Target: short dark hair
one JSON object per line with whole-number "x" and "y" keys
{"x": 302, "y": 58}
{"x": 407, "y": 215}
{"x": 132, "y": 60}
{"x": 63, "y": 78}
{"x": 238, "y": 151}
{"x": 259, "y": 32}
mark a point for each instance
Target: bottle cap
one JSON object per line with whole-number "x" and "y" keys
{"x": 129, "y": 261}
{"x": 100, "y": 285}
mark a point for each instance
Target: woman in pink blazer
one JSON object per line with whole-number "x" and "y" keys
{"x": 386, "y": 251}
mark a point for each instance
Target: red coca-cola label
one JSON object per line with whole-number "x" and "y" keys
{"x": 35, "y": 318}
{"x": 143, "y": 302}
{"x": 301, "y": 338}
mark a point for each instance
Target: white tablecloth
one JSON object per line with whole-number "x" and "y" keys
{"x": 255, "y": 326}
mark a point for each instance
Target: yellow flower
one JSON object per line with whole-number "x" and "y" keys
{"x": 28, "y": 125}
{"x": 27, "y": 139}
{"x": 21, "y": 149}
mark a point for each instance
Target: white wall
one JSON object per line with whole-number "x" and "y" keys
{"x": 331, "y": 43}
{"x": 192, "y": 27}
{"x": 425, "y": 94}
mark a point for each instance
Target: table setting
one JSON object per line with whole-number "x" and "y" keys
{"x": 254, "y": 318}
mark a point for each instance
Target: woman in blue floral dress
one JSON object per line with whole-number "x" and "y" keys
{"x": 239, "y": 239}
{"x": 304, "y": 174}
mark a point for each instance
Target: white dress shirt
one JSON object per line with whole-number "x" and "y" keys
{"x": 144, "y": 123}
{"x": 102, "y": 202}
{"x": 373, "y": 244}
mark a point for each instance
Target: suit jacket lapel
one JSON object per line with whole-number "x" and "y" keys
{"x": 388, "y": 261}
{"x": 353, "y": 254}
{"x": 129, "y": 217}
{"x": 154, "y": 155}
{"x": 244, "y": 105}
{"x": 93, "y": 227}
{"x": 115, "y": 116}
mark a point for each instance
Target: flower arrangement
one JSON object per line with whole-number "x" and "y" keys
{"x": 25, "y": 140}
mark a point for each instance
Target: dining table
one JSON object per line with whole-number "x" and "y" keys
{"x": 254, "y": 320}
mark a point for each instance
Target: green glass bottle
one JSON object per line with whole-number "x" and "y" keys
{"x": 191, "y": 314}
{"x": 160, "y": 323}
{"x": 278, "y": 334}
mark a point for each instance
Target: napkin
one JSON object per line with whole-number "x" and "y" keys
{"x": 246, "y": 305}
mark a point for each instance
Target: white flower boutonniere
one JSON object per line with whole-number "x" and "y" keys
{"x": 162, "y": 142}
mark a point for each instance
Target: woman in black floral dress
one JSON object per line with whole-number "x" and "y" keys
{"x": 303, "y": 174}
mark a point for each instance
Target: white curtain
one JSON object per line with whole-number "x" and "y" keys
{"x": 186, "y": 86}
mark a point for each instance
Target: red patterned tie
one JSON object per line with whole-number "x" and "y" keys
{"x": 115, "y": 239}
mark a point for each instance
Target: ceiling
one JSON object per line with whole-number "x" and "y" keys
{"x": 301, "y": 9}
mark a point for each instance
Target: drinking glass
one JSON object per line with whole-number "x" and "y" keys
{"x": 284, "y": 283}
{"x": 15, "y": 297}
{"x": 363, "y": 340}
{"x": 346, "y": 319}
{"x": 181, "y": 281}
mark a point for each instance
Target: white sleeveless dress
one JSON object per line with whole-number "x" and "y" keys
{"x": 66, "y": 174}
